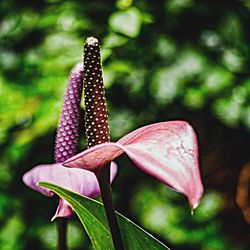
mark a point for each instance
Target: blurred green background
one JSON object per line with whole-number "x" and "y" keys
{"x": 162, "y": 60}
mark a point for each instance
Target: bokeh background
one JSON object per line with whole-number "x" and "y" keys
{"x": 162, "y": 60}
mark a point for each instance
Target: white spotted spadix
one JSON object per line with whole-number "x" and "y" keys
{"x": 96, "y": 120}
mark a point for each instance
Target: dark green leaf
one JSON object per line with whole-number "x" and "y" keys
{"x": 91, "y": 213}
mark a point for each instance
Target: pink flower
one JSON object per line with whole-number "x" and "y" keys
{"x": 166, "y": 150}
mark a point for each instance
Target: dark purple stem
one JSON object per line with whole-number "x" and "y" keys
{"x": 67, "y": 134}
{"x": 104, "y": 183}
{"x": 97, "y": 130}
{"x": 62, "y": 233}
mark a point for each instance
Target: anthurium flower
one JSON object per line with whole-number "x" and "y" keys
{"x": 166, "y": 150}
{"x": 80, "y": 181}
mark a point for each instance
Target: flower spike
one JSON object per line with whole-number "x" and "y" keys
{"x": 68, "y": 126}
{"x": 96, "y": 123}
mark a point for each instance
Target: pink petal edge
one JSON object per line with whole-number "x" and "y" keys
{"x": 166, "y": 150}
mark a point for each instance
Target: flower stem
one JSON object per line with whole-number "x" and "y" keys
{"x": 104, "y": 181}
{"x": 62, "y": 234}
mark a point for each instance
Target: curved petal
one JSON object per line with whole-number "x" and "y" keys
{"x": 95, "y": 157}
{"x": 64, "y": 210}
{"x": 169, "y": 152}
{"x": 77, "y": 180}
{"x": 166, "y": 150}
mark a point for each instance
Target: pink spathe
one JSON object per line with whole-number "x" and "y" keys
{"x": 77, "y": 180}
{"x": 166, "y": 150}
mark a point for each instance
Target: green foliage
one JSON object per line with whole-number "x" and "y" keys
{"x": 48, "y": 236}
{"x": 161, "y": 211}
{"x": 162, "y": 60}
{"x": 10, "y": 235}
{"x": 92, "y": 215}
{"x": 127, "y": 22}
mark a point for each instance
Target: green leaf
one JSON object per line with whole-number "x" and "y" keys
{"x": 114, "y": 40}
{"x": 91, "y": 214}
{"x": 127, "y": 22}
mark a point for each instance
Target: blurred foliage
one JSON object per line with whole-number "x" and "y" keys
{"x": 162, "y": 60}
{"x": 167, "y": 218}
